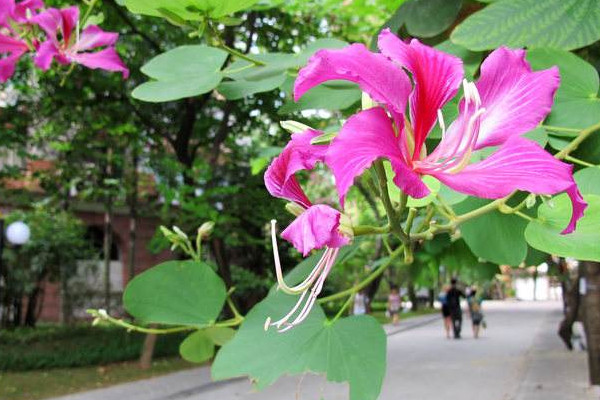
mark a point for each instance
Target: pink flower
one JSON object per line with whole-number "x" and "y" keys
{"x": 66, "y": 44}
{"x": 14, "y": 18}
{"x": 317, "y": 226}
{"x": 508, "y": 100}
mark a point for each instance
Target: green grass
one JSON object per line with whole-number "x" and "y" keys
{"x": 34, "y": 385}
{"x": 55, "y": 346}
{"x": 380, "y": 315}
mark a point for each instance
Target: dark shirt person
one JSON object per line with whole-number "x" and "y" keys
{"x": 453, "y": 301}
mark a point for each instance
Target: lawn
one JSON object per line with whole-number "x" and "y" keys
{"x": 33, "y": 385}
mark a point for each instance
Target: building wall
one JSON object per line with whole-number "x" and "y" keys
{"x": 144, "y": 259}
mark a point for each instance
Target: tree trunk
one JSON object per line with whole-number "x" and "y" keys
{"x": 32, "y": 301}
{"x": 107, "y": 255}
{"x": 571, "y": 308}
{"x": 148, "y": 351}
{"x": 431, "y": 297}
{"x": 591, "y": 317}
{"x": 412, "y": 296}
{"x": 132, "y": 199}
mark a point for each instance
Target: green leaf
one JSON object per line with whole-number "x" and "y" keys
{"x": 234, "y": 90}
{"x": 471, "y": 59}
{"x": 577, "y": 104}
{"x": 220, "y": 335}
{"x": 428, "y": 18}
{"x": 176, "y": 293}
{"x": 588, "y": 180}
{"x": 458, "y": 256}
{"x": 198, "y": 347}
{"x": 185, "y": 71}
{"x": 351, "y": 349}
{"x": 449, "y": 196}
{"x": 544, "y": 233}
{"x": 494, "y": 236}
{"x": 565, "y": 24}
{"x": 333, "y": 95}
{"x": 190, "y": 10}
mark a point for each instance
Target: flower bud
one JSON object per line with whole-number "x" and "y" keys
{"x": 206, "y": 229}
{"x": 294, "y": 209}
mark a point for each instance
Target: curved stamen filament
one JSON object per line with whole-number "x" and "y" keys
{"x": 302, "y": 286}
{"x": 330, "y": 256}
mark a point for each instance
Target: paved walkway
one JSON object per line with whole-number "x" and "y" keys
{"x": 519, "y": 357}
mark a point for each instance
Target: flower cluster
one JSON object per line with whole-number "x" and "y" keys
{"x": 53, "y": 34}
{"x": 508, "y": 100}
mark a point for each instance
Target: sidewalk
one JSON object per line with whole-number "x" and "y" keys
{"x": 520, "y": 358}
{"x": 191, "y": 382}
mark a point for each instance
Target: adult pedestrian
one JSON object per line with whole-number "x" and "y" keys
{"x": 453, "y": 299}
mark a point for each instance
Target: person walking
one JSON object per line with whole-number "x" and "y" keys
{"x": 443, "y": 298}
{"x": 474, "y": 303}
{"x": 360, "y": 304}
{"x": 394, "y": 304}
{"x": 453, "y": 299}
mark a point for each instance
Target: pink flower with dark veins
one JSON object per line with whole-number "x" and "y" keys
{"x": 14, "y": 18}
{"x": 317, "y": 226}
{"x": 66, "y": 45}
{"x": 508, "y": 100}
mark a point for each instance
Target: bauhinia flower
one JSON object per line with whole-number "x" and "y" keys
{"x": 66, "y": 44}
{"x": 508, "y": 100}
{"x": 14, "y": 18}
{"x": 316, "y": 226}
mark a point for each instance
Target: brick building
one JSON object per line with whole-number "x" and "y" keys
{"x": 92, "y": 216}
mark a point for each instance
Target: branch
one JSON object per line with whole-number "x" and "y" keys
{"x": 153, "y": 43}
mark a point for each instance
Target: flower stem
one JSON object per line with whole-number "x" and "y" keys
{"x": 342, "y": 309}
{"x": 560, "y": 129}
{"x": 583, "y": 134}
{"x": 376, "y": 272}
{"x": 578, "y": 161}
{"x": 393, "y": 219}
{"x": 241, "y": 55}
{"x": 362, "y": 230}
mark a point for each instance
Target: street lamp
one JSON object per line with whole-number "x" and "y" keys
{"x": 17, "y": 233}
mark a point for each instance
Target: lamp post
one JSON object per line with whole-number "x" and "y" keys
{"x": 17, "y": 233}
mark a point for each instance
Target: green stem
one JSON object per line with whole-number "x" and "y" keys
{"x": 412, "y": 213}
{"x": 393, "y": 221}
{"x": 578, "y": 161}
{"x": 342, "y": 309}
{"x": 583, "y": 134}
{"x": 88, "y": 11}
{"x": 362, "y": 230}
{"x": 132, "y": 327}
{"x": 241, "y": 55}
{"x": 560, "y": 129}
{"x": 372, "y": 276}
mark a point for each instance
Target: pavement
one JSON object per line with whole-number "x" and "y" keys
{"x": 518, "y": 357}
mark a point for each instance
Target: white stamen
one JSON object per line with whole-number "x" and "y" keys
{"x": 441, "y": 122}
{"x": 302, "y": 286}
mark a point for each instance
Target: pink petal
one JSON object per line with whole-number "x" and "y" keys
{"x": 365, "y": 137}
{"x": 20, "y": 10}
{"x": 52, "y": 21}
{"x": 436, "y": 75}
{"x": 519, "y": 164}
{"x": 45, "y": 54}
{"x": 515, "y": 98}
{"x": 6, "y": 10}
{"x": 375, "y": 75}
{"x": 106, "y": 59}
{"x": 70, "y": 18}
{"x": 9, "y": 44}
{"x": 297, "y": 155}
{"x": 8, "y": 64}
{"x": 92, "y": 37}
{"x": 315, "y": 228}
